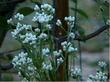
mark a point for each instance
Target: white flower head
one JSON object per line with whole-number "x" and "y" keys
{"x": 9, "y": 21}
{"x": 42, "y": 18}
{"x": 46, "y": 66}
{"x": 67, "y": 46}
{"x": 102, "y": 64}
{"x": 70, "y": 21}
{"x": 72, "y": 35}
{"x": 58, "y": 23}
{"x": 36, "y": 7}
{"x": 59, "y": 60}
{"x": 19, "y": 16}
{"x": 72, "y": 49}
{"x": 30, "y": 38}
{"x": 47, "y": 8}
{"x": 75, "y": 72}
{"x": 57, "y": 53}
{"x": 43, "y": 36}
{"x": 45, "y": 51}
{"x": 37, "y": 30}
{"x": 101, "y": 76}
{"x": 48, "y": 26}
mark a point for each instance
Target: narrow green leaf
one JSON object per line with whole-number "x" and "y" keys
{"x": 25, "y": 11}
{"x": 81, "y": 12}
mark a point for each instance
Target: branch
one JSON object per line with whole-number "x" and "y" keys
{"x": 6, "y": 66}
{"x": 7, "y": 52}
{"x": 87, "y": 37}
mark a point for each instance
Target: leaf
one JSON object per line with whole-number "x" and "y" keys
{"x": 25, "y": 11}
{"x": 3, "y": 23}
{"x": 74, "y": 1}
{"x": 81, "y": 12}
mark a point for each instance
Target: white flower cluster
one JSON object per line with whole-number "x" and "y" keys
{"x": 46, "y": 66}
{"x": 21, "y": 59}
{"x": 19, "y": 28}
{"x": 59, "y": 61}
{"x": 37, "y": 30}
{"x": 19, "y": 16}
{"x": 45, "y": 51}
{"x": 72, "y": 35}
{"x": 58, "y": 23}
{"x": 76, "y": 72}
{"x": 23, "y": 63}
{"x": 47, "y": 8}
{"x": 102, "y": 64}
{"x": 67, "y": 46}
{"x": 70, "y": 20}
{"x": 43, "y": 36}
{"x": 100, "y": 76}
{"x": 42, "y": 17}
{"x": 45, "y": 14}
{"x": 36, "y": 7}
{"x": 57, "y": 53}
{"x": 28, "y": 38}
{"x": 9, "y": 21}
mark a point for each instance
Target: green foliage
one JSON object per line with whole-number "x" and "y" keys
{"x": 81, "y": 12}
{"x": 3, "y": 23}
{"x": 25, "y": 11}
{"x": 36, "y": 1}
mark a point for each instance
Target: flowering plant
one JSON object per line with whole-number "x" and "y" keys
{"x": 39, "y": 60}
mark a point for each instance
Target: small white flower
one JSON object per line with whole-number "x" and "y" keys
{"x": 36, "y": 7}
{"x": 70, "y": 21}
{"x": 57, "y": 53}
{"x": 102, "y": 64}
{"x": 71, "y": 49}
{"x": 58, "y": 23}
{"x": 68, "y": 46}
{"x": 75, "y": 72}
{"x": 59, "y": 60}
{"x": 45, "y": 51}
{"x": 46, "y": 66}
{"x": 9, "y": 21}
{"x": 43, "y": 36}
{"x": 37, "y": 30}
{"x": 42, "y": 18}
{"x": 100, "y": 76}
{"x": 72, "y": 35}
{"x": 48, "y": 26}
{"x": 30, "y": 38}
{"x": 19, "y": 16}
{"x": 64, "y": 43}
{"x": 47, "y": 8}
